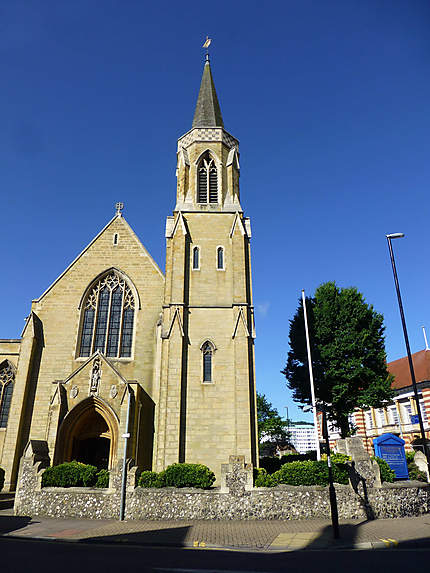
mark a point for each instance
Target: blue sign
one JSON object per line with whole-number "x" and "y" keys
{"x": 391, "y": 448}
{"x": 414, "y": 419}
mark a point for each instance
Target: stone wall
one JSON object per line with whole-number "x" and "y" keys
{"x": 238, "y": 503}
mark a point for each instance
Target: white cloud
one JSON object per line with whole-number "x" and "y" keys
{"x": 263, "y": 308}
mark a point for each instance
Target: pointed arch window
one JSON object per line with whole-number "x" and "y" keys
{"x": 220, "y": 258}
{"x": 207, "y": 180}
{"x": 196, "y": 258}
{"x": 108, "y": 318}
{"x": 207, "y": 351}
{"x": 7, "y": 379}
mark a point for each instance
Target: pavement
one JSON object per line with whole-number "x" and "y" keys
{"x": 252, "y": 535}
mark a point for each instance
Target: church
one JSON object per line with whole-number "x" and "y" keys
{"x": 115, "y": 348}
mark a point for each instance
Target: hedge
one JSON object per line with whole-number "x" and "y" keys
{"x": 102, "y": 478}
{"x": 303, "y": 473}
{"x": 387, "y": 474}
{"x": 273, "y": 464}
{"x": 179, "y": 475}
{"x": 75, "y": 474}
{"x": 414, "y": 472}
{"x": 150, "y": 479}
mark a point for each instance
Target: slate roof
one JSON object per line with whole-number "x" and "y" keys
{"x": 208, "y": 111}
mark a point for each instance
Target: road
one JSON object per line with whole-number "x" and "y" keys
{"x": 36, "y": 556}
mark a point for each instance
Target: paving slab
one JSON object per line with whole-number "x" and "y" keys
{"x": 264, "y": 535}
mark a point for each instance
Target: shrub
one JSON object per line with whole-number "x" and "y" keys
{"x": 415, "y": 473}
{"x": 387, "y": 474}
{"x": 271, "y": 464}
{"x": 188, "y": 475}
{"x": 2, "y": 472}
{"x": 310, "y": 473}
{"x": 102, "y": 478}
{"x": 70, "y": 474}
{"x": 179, "y": 475}
{"x": 262, "y": 479}
{"x": 308, "y": 456}
{"x": 410, "y": 456}
{"x": 337, "y": 458}
{"x": 150, "y": 479}
{"x": 303, "y": 473}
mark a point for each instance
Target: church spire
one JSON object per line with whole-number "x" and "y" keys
{"x": 208, "y": 111}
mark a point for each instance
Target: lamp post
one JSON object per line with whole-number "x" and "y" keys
{"x": 408, "y": 349}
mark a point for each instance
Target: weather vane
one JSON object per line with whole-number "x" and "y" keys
{"x": 206, "y": 45}
{"x": 119, "y": 207}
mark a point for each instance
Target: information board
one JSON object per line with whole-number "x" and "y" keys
{"x": 391, "y": 448}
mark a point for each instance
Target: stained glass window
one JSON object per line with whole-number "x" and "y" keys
{"x": 7, "y": 379}
{"x": 207, "y": 180}
{"x": 108, "y": 318}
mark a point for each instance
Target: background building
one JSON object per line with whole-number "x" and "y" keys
{"x": 302, "y": 436}
{"x": 400, "y": 416}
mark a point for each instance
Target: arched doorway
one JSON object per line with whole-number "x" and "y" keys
{"x": 89, "y": 434}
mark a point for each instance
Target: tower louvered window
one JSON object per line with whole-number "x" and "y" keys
{"x": 108, "y": 318}
{"x": 7, "y": 379}
{"x": 207, "y": 180}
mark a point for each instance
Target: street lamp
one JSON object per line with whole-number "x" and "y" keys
{"x": 408, "y": 349}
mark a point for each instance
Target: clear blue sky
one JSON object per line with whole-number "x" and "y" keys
{"x": 330, "y": 102}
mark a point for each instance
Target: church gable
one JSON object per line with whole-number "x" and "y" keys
{"x": 115, "y": 246}
{"x": 117, "y": 281}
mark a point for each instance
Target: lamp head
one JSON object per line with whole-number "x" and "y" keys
{"x": 395, "y": 236}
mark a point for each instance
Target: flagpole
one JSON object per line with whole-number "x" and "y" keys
{"x": 311, "y": 377}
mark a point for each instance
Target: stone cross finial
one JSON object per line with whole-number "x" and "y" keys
{"x": 119, "y": 207}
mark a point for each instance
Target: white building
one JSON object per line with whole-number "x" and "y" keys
{"x": 302, "y": 436}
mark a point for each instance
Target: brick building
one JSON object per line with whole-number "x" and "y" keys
{"x": 398, "y": 417}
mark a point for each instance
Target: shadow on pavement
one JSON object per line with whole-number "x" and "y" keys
{"x": 6, "y": 500}
{"x": 174, "y": 537}
{"x": 348, "y": 536}
{"x": 9, "y": 523}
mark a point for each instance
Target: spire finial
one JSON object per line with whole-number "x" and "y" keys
{"x": 207, "y": 112}
{"x": 119, "y": 207}
{"x": 206, "y": 45}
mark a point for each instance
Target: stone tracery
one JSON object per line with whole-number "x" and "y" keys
{"x": 108, "y": 318}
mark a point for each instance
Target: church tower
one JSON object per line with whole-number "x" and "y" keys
{"x": 206, "y": 405}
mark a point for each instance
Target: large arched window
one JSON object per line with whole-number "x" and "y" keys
{"x": 108, "y": 318}
{"x": 7, "y": 378}
{"x": 207, "y": 180}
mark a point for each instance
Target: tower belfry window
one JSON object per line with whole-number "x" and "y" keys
{"x": 207, "y": 180}
{"x": 7, "y": 378}
{"x": 108, "y": 318}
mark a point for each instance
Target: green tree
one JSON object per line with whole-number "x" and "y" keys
{"x": 348, "y": 354}
{"x": 271, "y": 426}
